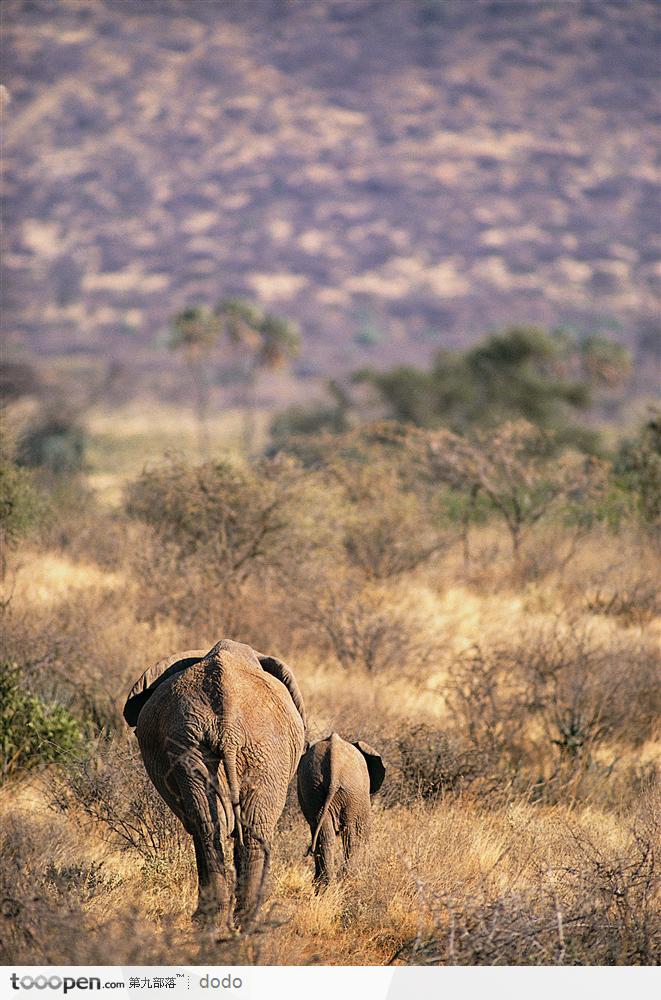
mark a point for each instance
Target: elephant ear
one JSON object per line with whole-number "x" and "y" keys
{"x": 153, "y": 677}
{"x": 375, "y": 765}
{"x": 283, "y": 673}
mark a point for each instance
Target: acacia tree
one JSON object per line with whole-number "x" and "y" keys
{"x": 521, "y": 373}
{"x": 265, "y": 341}
{"x": 513, "y": 467}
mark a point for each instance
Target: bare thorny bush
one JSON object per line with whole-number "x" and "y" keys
{"x": 66, "y": 913}
{"x": 637, "y": 603}
{"x": 363, "y": 626}
{"x": 389, "y": 524}
{"x": 625, "y": 588}
{"x": 429, "y": 763}
{"x": 601, "y": 908}
{"x": 107, "y": 787}
{"x": 212, "y": 529}
{"x": 544, "y": 705}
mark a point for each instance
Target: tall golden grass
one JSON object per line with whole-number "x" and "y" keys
{"x": 493, "y": 841}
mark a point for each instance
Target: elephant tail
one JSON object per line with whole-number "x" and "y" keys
{"x": 332, "y": 788}
{"x": 228, "y": 760}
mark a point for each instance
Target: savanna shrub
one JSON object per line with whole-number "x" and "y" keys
{"x": 21, "y": 506}
{"x": 363, "y": 627}
{"x": 543, "y": 703}
{"x": 599, "y": 909}
{"x": 433, "y": 763}
{"x": 216, "y": 526}
{"x": 107, "y": 783}
{"x": 237, "y": 515}
{"x": 390, "y": 534}
{"x": 635, "y": 601}
{"x": 32, "y": 731}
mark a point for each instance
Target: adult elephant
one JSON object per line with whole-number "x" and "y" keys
{"x": 221, "y": 734}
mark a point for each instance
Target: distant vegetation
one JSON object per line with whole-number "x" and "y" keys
{"x": 261, "y": 341}
{"x": 548, "y": 379}
{"x": 334, "y": 417}
{"x": 523, "y": 372}
{"x": 482, "y": 606}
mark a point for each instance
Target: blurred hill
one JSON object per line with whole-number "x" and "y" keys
{"x": 393, "y": 175}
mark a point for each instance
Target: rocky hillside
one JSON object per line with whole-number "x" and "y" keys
{"x": 393, "y": 174}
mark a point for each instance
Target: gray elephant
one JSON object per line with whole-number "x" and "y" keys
{"x": 221, "y": 734}
{"x": 335, "y": 781}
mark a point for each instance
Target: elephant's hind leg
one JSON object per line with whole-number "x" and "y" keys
{"x": 214, "y": 891}
{"x": 199, "y": 802}
{"x": 354, "y": 832}
{"x": 251, "y": 860}
{"x": 201, "y": 864}
{"x": 324, "y": 855}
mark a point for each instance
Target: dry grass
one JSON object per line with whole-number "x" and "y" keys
{"x": 491, "y": 843}
{"x": 457, "y": 853}
{"x": 124, "y": 439}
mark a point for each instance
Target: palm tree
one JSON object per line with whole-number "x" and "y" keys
{"x": 267, "y": 342}
{"x": 195, "y": 332}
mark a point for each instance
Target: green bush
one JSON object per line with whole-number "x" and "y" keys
{"x": 20, "y": 505}
{"x": 521, "y": 373}
{"x": 234, "y": 515}
{"x": 56, "y": 443}
{"x": 316, "y": 418}
{"x": 638, "y": 470}
{"x": 32, "y": 731}
{"x": 306, "y": 420}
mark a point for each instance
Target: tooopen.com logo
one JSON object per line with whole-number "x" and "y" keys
{"x": 64, "y": 983}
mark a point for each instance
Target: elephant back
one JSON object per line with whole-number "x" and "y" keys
{"x": 153, "y": 677}
{"x": 228, "y": 651}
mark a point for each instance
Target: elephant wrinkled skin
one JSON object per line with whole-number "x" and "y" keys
{"x": 335, "y": 781}
{"x": 221, "y": 734}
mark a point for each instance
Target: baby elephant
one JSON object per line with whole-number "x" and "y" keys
{"x": 335, "y": 781}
